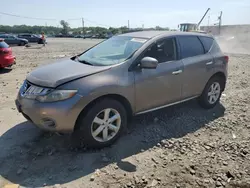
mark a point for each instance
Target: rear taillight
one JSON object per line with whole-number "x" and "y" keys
{"x": 4, "y": 51}
{"x": 226, "y": 58}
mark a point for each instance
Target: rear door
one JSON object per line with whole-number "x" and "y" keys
{"x": 198, "y": 65}
{"x": 161, "y": 86}
{"x": 33, "y": 38}
{"x": 12, "y": 40}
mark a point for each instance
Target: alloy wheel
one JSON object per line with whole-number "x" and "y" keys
{"x": 214, "y": 93}
{"x": 106, "y": 125}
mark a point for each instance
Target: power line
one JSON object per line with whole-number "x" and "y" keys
{"x": 27, "y": 17}
{"x": 72, "y": 19}
{"x": 52, "y": 19}
{"x": 96, "y": 23}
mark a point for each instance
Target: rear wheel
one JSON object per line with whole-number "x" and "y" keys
{"x": 26, "y": 117}
{"x": 40, "y": 41}
{"x": 102, "y": 124}
{"x": 22, "y": 43}
{"x": 212, "y": 93}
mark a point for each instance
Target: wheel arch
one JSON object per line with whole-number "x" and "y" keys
{"x": 222, "y": 76}
{"x": 124, "y": 101}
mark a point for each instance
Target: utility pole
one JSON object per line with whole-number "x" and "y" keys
{"x": 128, "y": 24}
{"x": 83, "y": 26}
{"x": 220, "y": 18}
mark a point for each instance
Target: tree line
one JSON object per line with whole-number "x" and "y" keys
{"x": 64, "y": 29}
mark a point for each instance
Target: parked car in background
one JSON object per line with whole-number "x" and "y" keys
{"x": 6, "y": 57}
{"x": 96, "y": 36}
{"x": 87, "y": 36}
{"x": 13, "y": 40}
{"x": 108, "y": 35}
{"x": 95, "y": 93}
{"x": 79, "y": 36}
{"x": 32, "y": 37}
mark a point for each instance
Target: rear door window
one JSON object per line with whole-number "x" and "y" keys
{"x": 3, "y": 45}
{"x": 190, "y": 46}
{"x": 207, "y": 43}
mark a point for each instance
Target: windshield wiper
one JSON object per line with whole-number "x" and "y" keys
{"x": 85, "y": 62}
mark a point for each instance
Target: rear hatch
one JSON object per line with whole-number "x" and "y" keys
{"x": 4, "y": 48}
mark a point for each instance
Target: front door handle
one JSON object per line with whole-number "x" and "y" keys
{"x": 177, "y": 72}
{"x": 209, "y": 63}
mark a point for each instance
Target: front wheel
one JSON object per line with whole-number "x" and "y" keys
{"x": 102, "y": 124}
{"x": 212, "y": 93}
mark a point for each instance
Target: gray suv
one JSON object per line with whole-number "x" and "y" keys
{"x": 13, "y": 40}
{"x": 94, "y": 93}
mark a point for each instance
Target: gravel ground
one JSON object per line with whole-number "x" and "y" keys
{"x": 183, "y": 146}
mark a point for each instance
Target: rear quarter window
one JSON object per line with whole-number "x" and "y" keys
{"x": 215, "y": 47}
{"x": 3, "y": 45}
{"x": 190, "y": 46}
{"x": 207, "y": 43}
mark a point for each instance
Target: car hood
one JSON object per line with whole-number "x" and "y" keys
{"x": 63, "y": 71}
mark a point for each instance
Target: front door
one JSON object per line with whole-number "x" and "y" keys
{"x": 161, "y": 86}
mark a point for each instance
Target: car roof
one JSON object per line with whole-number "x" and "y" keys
{"x": 25, "y": 34}
{"x": 152, "y": 34}
{"x": 6, "y": 34}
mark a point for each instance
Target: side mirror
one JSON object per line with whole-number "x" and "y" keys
{"x": 149, "y": 63}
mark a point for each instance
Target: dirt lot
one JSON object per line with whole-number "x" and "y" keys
{"x": 180, "y": 146}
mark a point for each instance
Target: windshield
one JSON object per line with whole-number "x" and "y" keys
{"x": 112, "y": 51}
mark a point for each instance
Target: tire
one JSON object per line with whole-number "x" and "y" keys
{"x": 22, "y": 43}
{"x": 40, "y": 41}
{"x": 204, "y": 99}
{"x": 27, "y": 117}
{"x": 86, "y": 127}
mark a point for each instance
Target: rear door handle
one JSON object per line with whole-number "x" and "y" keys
{"x": 209, "y": 63}
{"x": 177, "y": 72}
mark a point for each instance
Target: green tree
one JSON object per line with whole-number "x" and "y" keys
{"x": 65, "y": 26}
{"x": 113, "y": 30}
{"x": 123, "y": 29}
{"x": 161, "y": 28}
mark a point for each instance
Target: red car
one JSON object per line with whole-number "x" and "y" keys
{"x": 6, "y": 57}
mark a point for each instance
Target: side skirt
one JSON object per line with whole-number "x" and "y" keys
{"x": 167, "y": 105}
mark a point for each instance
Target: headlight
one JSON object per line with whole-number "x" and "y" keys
{"x": 57, "y": 95}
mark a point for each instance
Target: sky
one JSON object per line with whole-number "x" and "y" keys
{"x": 116, "y": 13}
